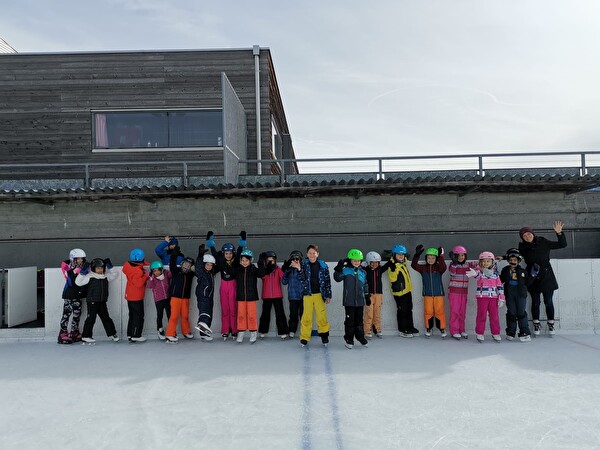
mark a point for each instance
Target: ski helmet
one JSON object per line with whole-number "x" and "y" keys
{"x": 248, "y": 254}
{"x": 373, "y": 257}
{"x": 227, "y": 247}
{"x": 513, "y": 252}
{"x": 173, "y": 241}
{"x": 209, "y": 259}
{"x": 156, "y": 265}
{"x": 487, "y": 255}
{"x": 432, "y": 251}
{"x": 187, "y": 264}
{"x": 296, "y": 254}
{"x": 459, "y": 249}
{"x": 355, "y": 253}
{"x": 399, "y": 249}
{"x": 96, "y": 262}
{"x": 270, "y": 254}
{"x": 76, "y": 253}
{"x": 136, "y": 255}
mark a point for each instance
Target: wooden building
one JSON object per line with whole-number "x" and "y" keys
{"x": 141, "y": 117}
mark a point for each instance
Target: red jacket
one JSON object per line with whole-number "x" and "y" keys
{"x": 136, "y": 281}
{"x": 271, "y": 284}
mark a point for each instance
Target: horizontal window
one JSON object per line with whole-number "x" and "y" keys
{"x": 157, "y": 129}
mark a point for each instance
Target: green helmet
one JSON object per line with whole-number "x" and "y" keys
{"x": 432, "y": 251}
{"x": 156, "y": 265}
{"x": 354, "y": 253}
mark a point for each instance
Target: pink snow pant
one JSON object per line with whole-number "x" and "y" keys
{"x": 485, "y": 306}
{"x": 227, "y": 293}
{"x": 458, "y": 312}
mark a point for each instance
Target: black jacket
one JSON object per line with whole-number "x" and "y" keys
{"x": 181, "y": 283}
{"x": 246, "y": 282}
{"x": 522, "y": 278}
{"x": 538, "y": 252}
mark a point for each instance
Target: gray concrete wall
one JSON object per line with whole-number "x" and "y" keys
{"x": 41, "y": 235}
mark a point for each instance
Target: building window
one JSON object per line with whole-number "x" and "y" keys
{"x": 157, "y": 129}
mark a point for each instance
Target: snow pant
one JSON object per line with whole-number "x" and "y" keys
{"x": 205, "y": 311}
{"x": 353, "y": 324}
{"x": 487, "y": 306}
{"x": 135, "y": 323}
{"x": 314, "y": 303}
{"x": 535, "y": 304}
{"x": 162, "y": 306}
{"x": 265, "y": 316}
{"x": 516, "y": 313}
{"x": 296, "y": 310}
{"x": 229, "y": 306}
{"x": 458, "y": 312}
{"x": 404, "y": 312}
{"x": 179, "y": 307}
{"x": 373, "y": 314}
{"x": 246, "y": 318}
{"x": 72, "y": 309}
{"x": 99, "y": 309}
{"x": 433, "y": 307}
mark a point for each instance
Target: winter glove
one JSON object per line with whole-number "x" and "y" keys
{"x": 210, "y": 239}
{"x": 500, "y": 303}
{"x": 392, "y": 266}
{"x": 108, "y": 263}
{"x": 177, "y": 251}
{"x": 440, "y": 251}
{"x": 242, "y": 241}
{"x": 419, "y": 250}
{"x": 535, "y": 270}
{"x": 261, "y": 260}
{"x": 339, "y": 266}
{"x": 85, "y": 268}
{"x": 368, "y": 299}
{"x": 453, "y": 257}
{"x": 286, "y": 265}
{"x": 471, "y": 273}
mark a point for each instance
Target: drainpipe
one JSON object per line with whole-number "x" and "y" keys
{"x": 256, "y": 53}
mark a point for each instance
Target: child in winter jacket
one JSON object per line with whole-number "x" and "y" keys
{"x": 458, "y": 289}
{"x": 135, "y": 290}
{"x": 181, "y": 288}
{"x": 291, "y": 269}
{"x": 205, "y": 289}
{"x": 516, "y": 279}
{"x": 164, "y": 249}
{"x": 372, "y": 319}
{"x": 97, "y": 297}
{"x": 401, "y": 287}
{"x": 247, "y": 277}
{"x": 355, "y": 297}
{"x": 160, "y": 282}
{"x": 72, "y": 297}
{"x": 489, "y": 295}
{"x": 433, "y": 289}
{"x": 272, "y": 295}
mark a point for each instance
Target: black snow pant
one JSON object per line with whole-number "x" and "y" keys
{"x": 265, "y": 316}
{"x": 296, "y": 310}
{"x": 72, "y": 309}
{"x": 516, "y": 313}
{"x": 162, "y": 306}
{"x": 135, "y": 324}
{"x": 404, "y": 312}
{"x": 353, "y": 324}
{"x": 99, "y": 309}
{"x": 205, "y": 311}
{"x": 535, "y": 304}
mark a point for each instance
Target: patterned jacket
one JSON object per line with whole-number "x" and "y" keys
{"x": 324, "y": 278}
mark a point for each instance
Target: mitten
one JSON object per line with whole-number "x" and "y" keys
{"x": 500, "y": 303}
{"x": 261, "y": 260}
{"x": 453, "y": 257}
{"x": 419, "y": 250}
{"x": 242, "y": 241}
{"x": 85, "y": 268}
{"x": 339, "y": 266}
{"x": 108, "y": 263}
{"x": 368, "y": 299}
{"x": 392, "y": 267}
{"x": 471, "y": 272}
{"x": 286, "y": 265}
{"x": 535, "y": 270}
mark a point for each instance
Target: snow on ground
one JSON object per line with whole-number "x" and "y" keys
{"x": 396, "y": 394}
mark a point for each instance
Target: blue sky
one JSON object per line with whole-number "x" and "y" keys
{"x": 374, "y": 78}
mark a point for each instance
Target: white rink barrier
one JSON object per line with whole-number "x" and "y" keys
{"x": 577, "y": 303}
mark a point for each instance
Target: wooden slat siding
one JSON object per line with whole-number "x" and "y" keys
{"x": 45, "y": 99}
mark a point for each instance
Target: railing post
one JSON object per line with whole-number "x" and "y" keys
{"x": 185, "y": 175}
{"x": 380, "y": 160}
{"x": 86, "y": 183}
{"x": 480, "y": 158}
{"x": 282, "y": 173}
{"x": 583, "y": 168}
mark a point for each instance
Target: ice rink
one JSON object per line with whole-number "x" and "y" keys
{"x": 398, "y": 393}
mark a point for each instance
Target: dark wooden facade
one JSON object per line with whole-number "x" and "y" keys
{"x": 46, "y": 102}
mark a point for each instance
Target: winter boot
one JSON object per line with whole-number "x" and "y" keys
{"x": 64, "y": 338}
{"x": 240, "y": 337}
{"x": 536, "y": 327}
{"x": 479, "y": 337}
{"x": 496, "y": 337}
{"x": 253, "y": 337}
{"x": 551, "y": 331}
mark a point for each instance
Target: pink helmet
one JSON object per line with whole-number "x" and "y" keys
{"x": 486, "y": 255}
{"x": 459, "y": 249}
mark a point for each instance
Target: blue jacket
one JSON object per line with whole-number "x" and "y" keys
{"x": 324, "y": 279}
{"x": 355, "y": 285}
{"x": 161, "y": 251}
{"x": 292, "y": 280}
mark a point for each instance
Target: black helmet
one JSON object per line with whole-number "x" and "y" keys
{"x": 270, "y": 254}
{"x": 296, "y": 254}
{"x": 513, "y": 252}
{"x": 96, "y": 262}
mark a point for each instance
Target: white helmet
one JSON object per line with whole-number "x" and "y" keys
{"x": 373, "y": 257}
{"x": 209, "y": 259}
{"x": 76, "y": 253}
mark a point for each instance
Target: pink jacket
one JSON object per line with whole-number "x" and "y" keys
{"x": 489, "y": 286}
{"x": 271, "y": 284}
{"x": 160, "y": 288}
{"x": 459, "y": 282}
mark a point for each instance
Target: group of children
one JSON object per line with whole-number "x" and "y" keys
{"x": 309, "y": 290}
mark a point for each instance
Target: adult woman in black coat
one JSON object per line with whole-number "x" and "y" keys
{"x": 536, "y": 252}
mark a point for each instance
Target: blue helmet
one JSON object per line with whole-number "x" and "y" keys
{"x": 227, "y": 248}
{"x": 136, "y": 255}
{"x": 399, "y": 249}
{"x": 247, "y": 253}
{"x": 173, "y": 241}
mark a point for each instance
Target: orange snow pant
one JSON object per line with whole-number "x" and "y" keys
{"x": 373, "y": 314}
{"x": 246, "y": 316}
{"x": 434, "y": 307}
{"x": 179, "y": 307}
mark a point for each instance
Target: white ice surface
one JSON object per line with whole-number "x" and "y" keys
{"x": 397, "y": 394}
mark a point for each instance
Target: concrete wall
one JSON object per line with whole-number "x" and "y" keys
{"x": 577, "y": 303}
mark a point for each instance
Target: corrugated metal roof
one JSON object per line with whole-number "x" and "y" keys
{"x": 5, "y": 47}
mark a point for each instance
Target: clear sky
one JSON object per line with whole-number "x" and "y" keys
{"x": 358, "y": 78}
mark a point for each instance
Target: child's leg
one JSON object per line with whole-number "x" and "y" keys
{"x": 160, "y": 309}
{"x": 376, "y": 303}
{"x": 251, "y": 314}
{"x": 368, "y": 319}
{"x": 349, "y": 326}
{"x": 480, "y": 319}
{"x": 107, "y": 322}
{"x": 359, "y": 331}
{"x": 185, "y": 316}
{"x": 129, "y": 319}
{"x": 294, "y": 313}
{"x": 90, "y": 320}
{"x": 494, "y": 316}
{"x": 521, "y": 303}
{"x": 67, "y": 310}
{"x": 242, "y": 316}
{"x": 228, "y": 307}
{"x": 455, "y": 312}
{"x": 440, "y": 313}
{"x": 321, "y": 313}
{"x": 282, "y": 327}
{"x": 463, "y": 312}
{"x": 307, "y": 317}
{"x": 205, "y": 308}
{"x": 76, "y": 305}
{"x": 265, "y": 317}
{"x": 511, "y": 315}
{"x": 175, "y": 312}
{"x": 428, "y": 311}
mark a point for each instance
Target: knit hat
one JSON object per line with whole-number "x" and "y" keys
{"x": 524, "y": 230}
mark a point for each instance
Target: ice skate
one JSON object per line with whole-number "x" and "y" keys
{"x": 291, "y": 334}
{"x": 457, "y": 336}
{"x": 263, "y": 335}
{"x": 427, "y": 332}
{"x": 525, "y": 338}
{"x": 464, "y": 335}
{"x": 206, "y": 337}
{"x": 172, "y": 340}
{"x": 536, "y": 328}
{"x": 240, "y": 337}
{"x": 479, "y": 338}
{"x": 303, "y": 342}
{"x": 225, "y": 336}
{"x": 283, "y": 336}
{"x": 551, "y": 331}
{"x": 369, "y": 335}
{"x": 404, "y": 334}
{"x": 75, "y": 336}
{"x": 88, "y": 341}
{"x": 510, "y": 337}
{"x": 188, "y": 336}
{"x": 379, "y": 335}
{"x": 138, "y": 339}
{"x": 64, "y": 338}
{"x": 203, "y": 328}
{"x": 161, "y": 334}
{"x": 253, "y": 337}
{"x": 325, "y": 340}
{"x": 364, "y": 342}
{"x": 115, "y": 338}
{"x": 443, "y": 332}
{"x": 234, "y": 336}
{"x": 348, "y": 345}
{"x": 496, "y": 337}
{"x": 414, "y": 332}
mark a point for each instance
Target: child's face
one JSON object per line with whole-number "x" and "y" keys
{"x": 228, "y": 255}
{"x": 374, "y": 264}
{"x": 486, "y": 263}
{"x": 513, "y": 261}
{"x": 461, "y": 257}
{"x": 355, "y": 262}
{"x": 400, "y": 257}
{"x": 78, "y": 260}
{"x": 209, "y": 266}
{"x": 99, "y": 269}
{"x": 157, "y": 272}
{"x": 271, "y": 260}
{"x": 245, "y": 262}
{"x": 312, "y": 255}
{"x": 431, "y": 259}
